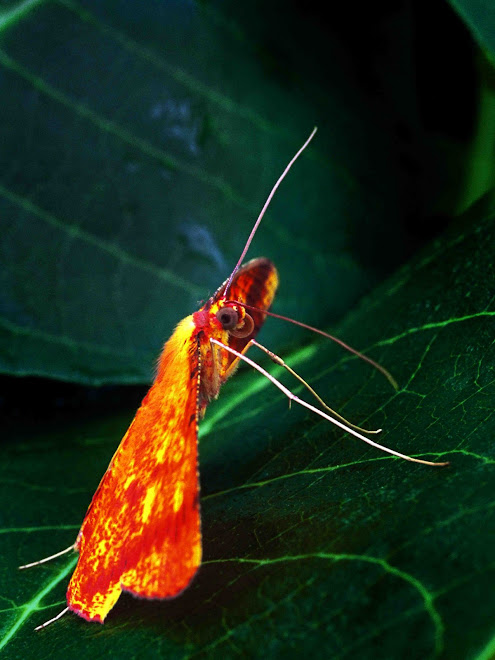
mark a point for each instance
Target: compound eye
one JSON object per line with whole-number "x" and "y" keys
{"x": 228, "y": 317}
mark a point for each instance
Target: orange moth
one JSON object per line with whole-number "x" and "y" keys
{"x": 141, "y": 533}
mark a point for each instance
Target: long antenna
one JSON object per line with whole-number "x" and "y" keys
{"x": 265, "y": 206}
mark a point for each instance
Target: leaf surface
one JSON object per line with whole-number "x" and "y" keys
{"x": 479, "y": 16}
{"x": 133, "y": 169}
{"x": 315, "y": 544}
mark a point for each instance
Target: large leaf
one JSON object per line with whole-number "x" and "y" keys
{"x": 138, "y": 144}
{"x": 315, "y": 544}
{"x": 479, "y": 16}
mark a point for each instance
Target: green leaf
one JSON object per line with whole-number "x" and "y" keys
{"x": 478, "y": 165}
{"x": 479, "y": 16}
{"x": 138, "y": 143}
{"x": 133, "y": 169}
{"x": 314, "y": 543}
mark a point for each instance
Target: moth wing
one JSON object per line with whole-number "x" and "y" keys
{"x": 142, "y": 530}
{"x": 254, "y": 284}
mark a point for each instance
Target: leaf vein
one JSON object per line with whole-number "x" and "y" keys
{"x": 123, "y": 134}
{"x": 105, "y": 246}
{"x": 426, "y": 596}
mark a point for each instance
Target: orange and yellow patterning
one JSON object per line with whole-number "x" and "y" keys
{"x": 142, "y": 533}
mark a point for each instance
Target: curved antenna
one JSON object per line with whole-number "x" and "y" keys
{"x": 265, "y": 206}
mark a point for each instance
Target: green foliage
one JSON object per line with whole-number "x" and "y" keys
{"x": 129, "y": 185}
{"x": 138, "y": 146}
{"x": 479, "y": 16}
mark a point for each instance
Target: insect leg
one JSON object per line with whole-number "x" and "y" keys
{"x": 341, "y": 425}
{"x": 278, "y": 360}
{"x": 45, "y": 559}
{"x": 55, "y": 618}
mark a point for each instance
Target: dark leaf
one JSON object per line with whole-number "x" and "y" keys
{"x": 479, "y": 16}
{"x": 138, "y": 146}
{"x": 315, "y": 544}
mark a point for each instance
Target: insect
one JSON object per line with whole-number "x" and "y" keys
{"x": 141, "y": 533}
